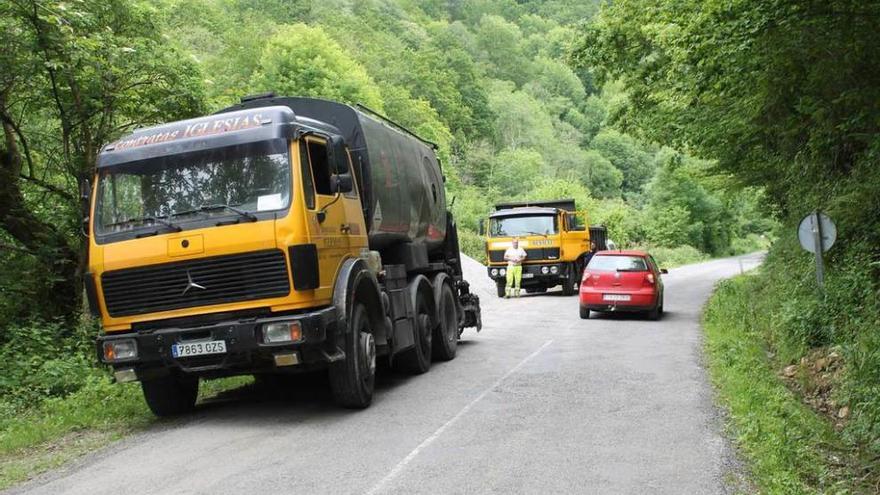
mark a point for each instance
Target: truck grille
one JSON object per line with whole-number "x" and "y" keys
{"x": 533, "y": 254}
{"x": 202, "y": 282}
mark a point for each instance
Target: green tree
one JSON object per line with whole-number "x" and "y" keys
{"x": 627, "y": 155}
{"x": 75, "y": 76}
{"x": 304, "y": 61}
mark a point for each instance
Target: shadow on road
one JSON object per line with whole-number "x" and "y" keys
{"x": 286, "y": 397}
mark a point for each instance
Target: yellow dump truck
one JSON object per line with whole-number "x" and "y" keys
{"x": 279, "y": 235}
{"x": 556, "y": 240}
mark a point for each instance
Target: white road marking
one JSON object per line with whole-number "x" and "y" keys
{"x": 428, "y": 441}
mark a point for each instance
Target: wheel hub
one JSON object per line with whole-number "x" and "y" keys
{"x": 368, "y": 352}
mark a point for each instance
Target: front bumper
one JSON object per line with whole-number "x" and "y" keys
{"x": 533, "y": 274}
{"x": 246, "y": 353}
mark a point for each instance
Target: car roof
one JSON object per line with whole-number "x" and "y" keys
{"x": 631, "y": 252}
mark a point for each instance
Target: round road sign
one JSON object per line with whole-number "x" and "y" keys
{"x": 817, "y": 225}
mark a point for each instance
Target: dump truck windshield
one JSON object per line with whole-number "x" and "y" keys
{"x": 168, "y": 191}
{"x": 523, "y": 225}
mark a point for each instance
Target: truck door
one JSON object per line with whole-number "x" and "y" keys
{"x": 331, "y": 236}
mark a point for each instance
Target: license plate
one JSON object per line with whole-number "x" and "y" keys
{"x": 615, "y": 297}
{"x": 198, "y": 348}
{"x": 528, "y": 275}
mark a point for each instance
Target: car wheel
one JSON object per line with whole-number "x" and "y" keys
{"x": 654, "y": 314}
{"x": 585, "y": 313}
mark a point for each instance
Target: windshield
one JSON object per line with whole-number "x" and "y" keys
{"x": 170, "y": 190}
{"x": 521, "y": 226}
{"x": 618, "y": 263}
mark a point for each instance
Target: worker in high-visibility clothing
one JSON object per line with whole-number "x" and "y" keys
{"x": 514, "y": 255}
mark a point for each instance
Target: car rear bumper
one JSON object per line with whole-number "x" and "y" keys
{"x": 246, "y": 353}
{"x": 639, "y": 301}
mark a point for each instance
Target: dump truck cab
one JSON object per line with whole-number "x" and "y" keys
{"x": 554, "y": 236}
{"x": 263, "y": 239}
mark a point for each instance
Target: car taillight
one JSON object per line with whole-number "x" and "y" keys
{"x": 587, "y": 277}
{"x": 649, "y": 279}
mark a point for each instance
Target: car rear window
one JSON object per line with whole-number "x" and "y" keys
{"x": 618, "y": 263}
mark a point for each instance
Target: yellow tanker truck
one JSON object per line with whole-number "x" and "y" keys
{"x": 276, "y": 236}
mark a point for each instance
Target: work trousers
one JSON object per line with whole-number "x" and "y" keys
{"x": 514, "y": 279}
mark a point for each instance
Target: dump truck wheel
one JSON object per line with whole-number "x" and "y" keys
{"x": 171, "y": 395}
{"x": 352, "y": 379}
{"x": 569, "y": 285}
{"x": 446, "y": 332}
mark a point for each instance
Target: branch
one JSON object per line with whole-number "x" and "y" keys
{"x": 18, "y": 249}
{"x": 49, "y": 187}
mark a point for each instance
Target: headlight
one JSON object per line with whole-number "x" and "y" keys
{"x": 120, "y": 350}
{"x": 283, "y": 331}
{"x": 554, "y": 269}
{"x": 545, "y": 270}
{"x": 502, "y": 272}
{"x": 494, "y": 272}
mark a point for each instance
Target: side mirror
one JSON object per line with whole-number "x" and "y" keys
{"x": 341, "y": 183}
{"x": 664, "y": 271}
{"x": 336, "y": 155}
{"x": 482, "y": 227}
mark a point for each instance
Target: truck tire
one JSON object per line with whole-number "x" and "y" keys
{"x": 171, "y": 395}
{"x": 417, "y": 360}
{"x": 501, "y": 286}
{"x": 445, "y": 342}
{"x": 353, "y": 378}
{"x": 570, "y": 284}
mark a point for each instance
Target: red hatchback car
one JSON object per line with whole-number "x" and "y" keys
{"x": 622, "y": 281}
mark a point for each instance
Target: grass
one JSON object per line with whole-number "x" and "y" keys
{"x": 58, "y": 430}
{"x": 789, "y": 447}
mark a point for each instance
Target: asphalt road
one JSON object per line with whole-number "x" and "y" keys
{"x": 539, "y": 402}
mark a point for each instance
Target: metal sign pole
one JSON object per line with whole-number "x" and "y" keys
{"x": 817, "y": 241}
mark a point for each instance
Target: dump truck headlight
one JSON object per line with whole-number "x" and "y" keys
{"x": 494, "y": 272}
{"x": 545, "y": 270}
{"x": 282, "y": 331}
{"x": 120, "y": 350}
{"x": 502, "y": 272}
{"x": 554, "y": 269}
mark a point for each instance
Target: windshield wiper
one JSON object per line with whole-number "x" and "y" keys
{"x": 535, "y": 233}
{"x": 245, "y": 214}
{"x": 170, "y": 225}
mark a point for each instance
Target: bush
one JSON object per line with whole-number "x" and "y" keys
{"x": 472, "y": 244}
{"x": 672, "y": 257}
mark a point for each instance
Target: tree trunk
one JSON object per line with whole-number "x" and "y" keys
{"x": 50, "y": 246}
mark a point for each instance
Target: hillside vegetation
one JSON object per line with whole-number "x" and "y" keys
{"x": 786, "y": 96}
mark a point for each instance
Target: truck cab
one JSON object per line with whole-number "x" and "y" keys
{"x": 554, "y": 236}
{"x": 254, "y": 241}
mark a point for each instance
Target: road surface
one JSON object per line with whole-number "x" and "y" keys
{"x": 539, "y": 402}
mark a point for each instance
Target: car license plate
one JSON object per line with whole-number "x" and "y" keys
{"x": 615, "y": 297}
{"x": 528, "y": 275}
{"x": 198, "y": 348}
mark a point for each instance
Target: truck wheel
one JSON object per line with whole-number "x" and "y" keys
{"x": 171, "y": 395}
{"x": 417, "y": 360}
{"x": 570, "y": 284}
{"x": 352, "y": 379}
{"x": 446, "y": 332}
{"x": 502, "y": 288}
